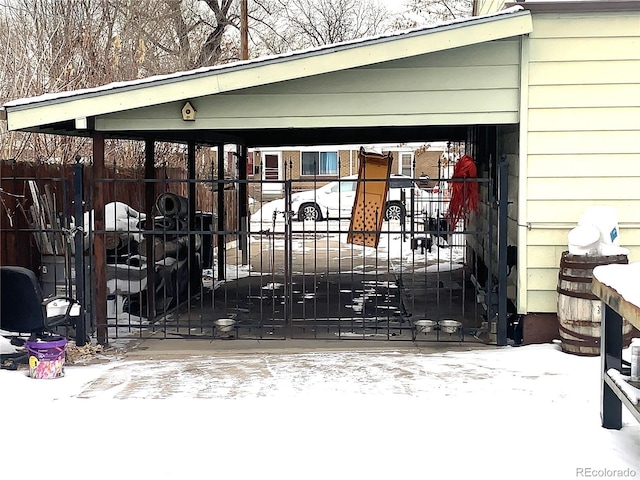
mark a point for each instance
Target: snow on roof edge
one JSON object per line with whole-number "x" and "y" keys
{"x": 243, "y": 63}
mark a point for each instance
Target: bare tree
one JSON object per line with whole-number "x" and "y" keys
{"x": 423, "y": 12}
{"x": 60, "y": 45}
{"x": 186, "y": 34}
{"x": 289, "y": 25}
{"x": 53, "y": 48}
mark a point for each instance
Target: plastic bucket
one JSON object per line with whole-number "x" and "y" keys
{"x": 584, "y": 240}
{"x": 605, "y": 219}
{"x": 46, "y": 358}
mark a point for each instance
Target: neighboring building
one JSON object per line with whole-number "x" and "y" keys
{"x": 312, "y": 167}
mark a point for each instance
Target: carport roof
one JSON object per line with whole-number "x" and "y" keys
{"x": 74, "y": 112}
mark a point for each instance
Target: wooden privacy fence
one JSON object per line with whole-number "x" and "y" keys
{"x": 52, "y": 185}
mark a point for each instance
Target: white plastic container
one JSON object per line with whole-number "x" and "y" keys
{"x": 605, "y": 219}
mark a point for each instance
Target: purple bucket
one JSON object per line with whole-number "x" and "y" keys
{"x": 46, "y": 357}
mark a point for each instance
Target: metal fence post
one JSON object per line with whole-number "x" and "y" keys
{"x": 503, "y": 205}
{"x": 221, "y": 214}
{"x": 243, "y": 240}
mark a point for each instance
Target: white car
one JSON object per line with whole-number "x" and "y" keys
{"x": 335, "y": 200}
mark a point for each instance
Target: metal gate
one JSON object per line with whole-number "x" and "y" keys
{"x": 419, "y": 284}
{"x": 289, "y": 272}
{"x": 299, "y": 278}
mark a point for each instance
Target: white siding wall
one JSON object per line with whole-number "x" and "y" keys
{"x": 478, "y": 84}
{"x": 583, "y": 143}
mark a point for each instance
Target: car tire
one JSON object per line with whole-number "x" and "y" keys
{"x": 394, "y": 211}
{"x": 309, "y": 212}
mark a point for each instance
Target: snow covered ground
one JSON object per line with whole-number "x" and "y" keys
{"x": 513, "y": 412}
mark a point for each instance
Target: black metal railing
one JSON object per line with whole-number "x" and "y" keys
{"x": 180, "y": 273}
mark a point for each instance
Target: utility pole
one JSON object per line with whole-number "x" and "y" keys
{"x": 244, "y": 31}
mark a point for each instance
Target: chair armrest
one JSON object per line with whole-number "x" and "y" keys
{"x": 63, "y": 319}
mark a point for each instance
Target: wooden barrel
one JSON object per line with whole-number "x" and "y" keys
{"x": 579, "y": 310}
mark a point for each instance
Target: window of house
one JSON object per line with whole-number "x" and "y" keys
{"x": 406, "y": 164}
{"x": 319, "y": 163}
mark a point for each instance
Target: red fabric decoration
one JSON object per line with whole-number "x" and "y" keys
{"x": 464, "y": 195}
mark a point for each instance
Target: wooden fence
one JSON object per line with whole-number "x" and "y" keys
{"x": 19, "y": 245}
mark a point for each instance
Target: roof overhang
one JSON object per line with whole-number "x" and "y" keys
{"x": 75, "y": 112}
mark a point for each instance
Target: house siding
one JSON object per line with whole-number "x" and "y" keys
{"x": 583, "y": 141}
{"x": 477, "y": 84}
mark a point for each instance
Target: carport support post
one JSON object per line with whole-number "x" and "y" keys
{"x": 221, "y": 215}
{"x": 149, "y": 200}
{"x": 503, "y": 210}
{"x": 99, "y": 175}
{"x": 78, "y": 195}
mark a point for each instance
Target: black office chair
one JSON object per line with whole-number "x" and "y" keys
{"x": 23, "y": 312}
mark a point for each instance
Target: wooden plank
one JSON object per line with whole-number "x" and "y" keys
{"x": 50, "y": 227}
{"x": 371, "y": 198}
{"x": 100, "y": 267}
{"x": 56, "y": 234}
{"x": 38, "y": 220}
{"x": 609, "y": 295}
